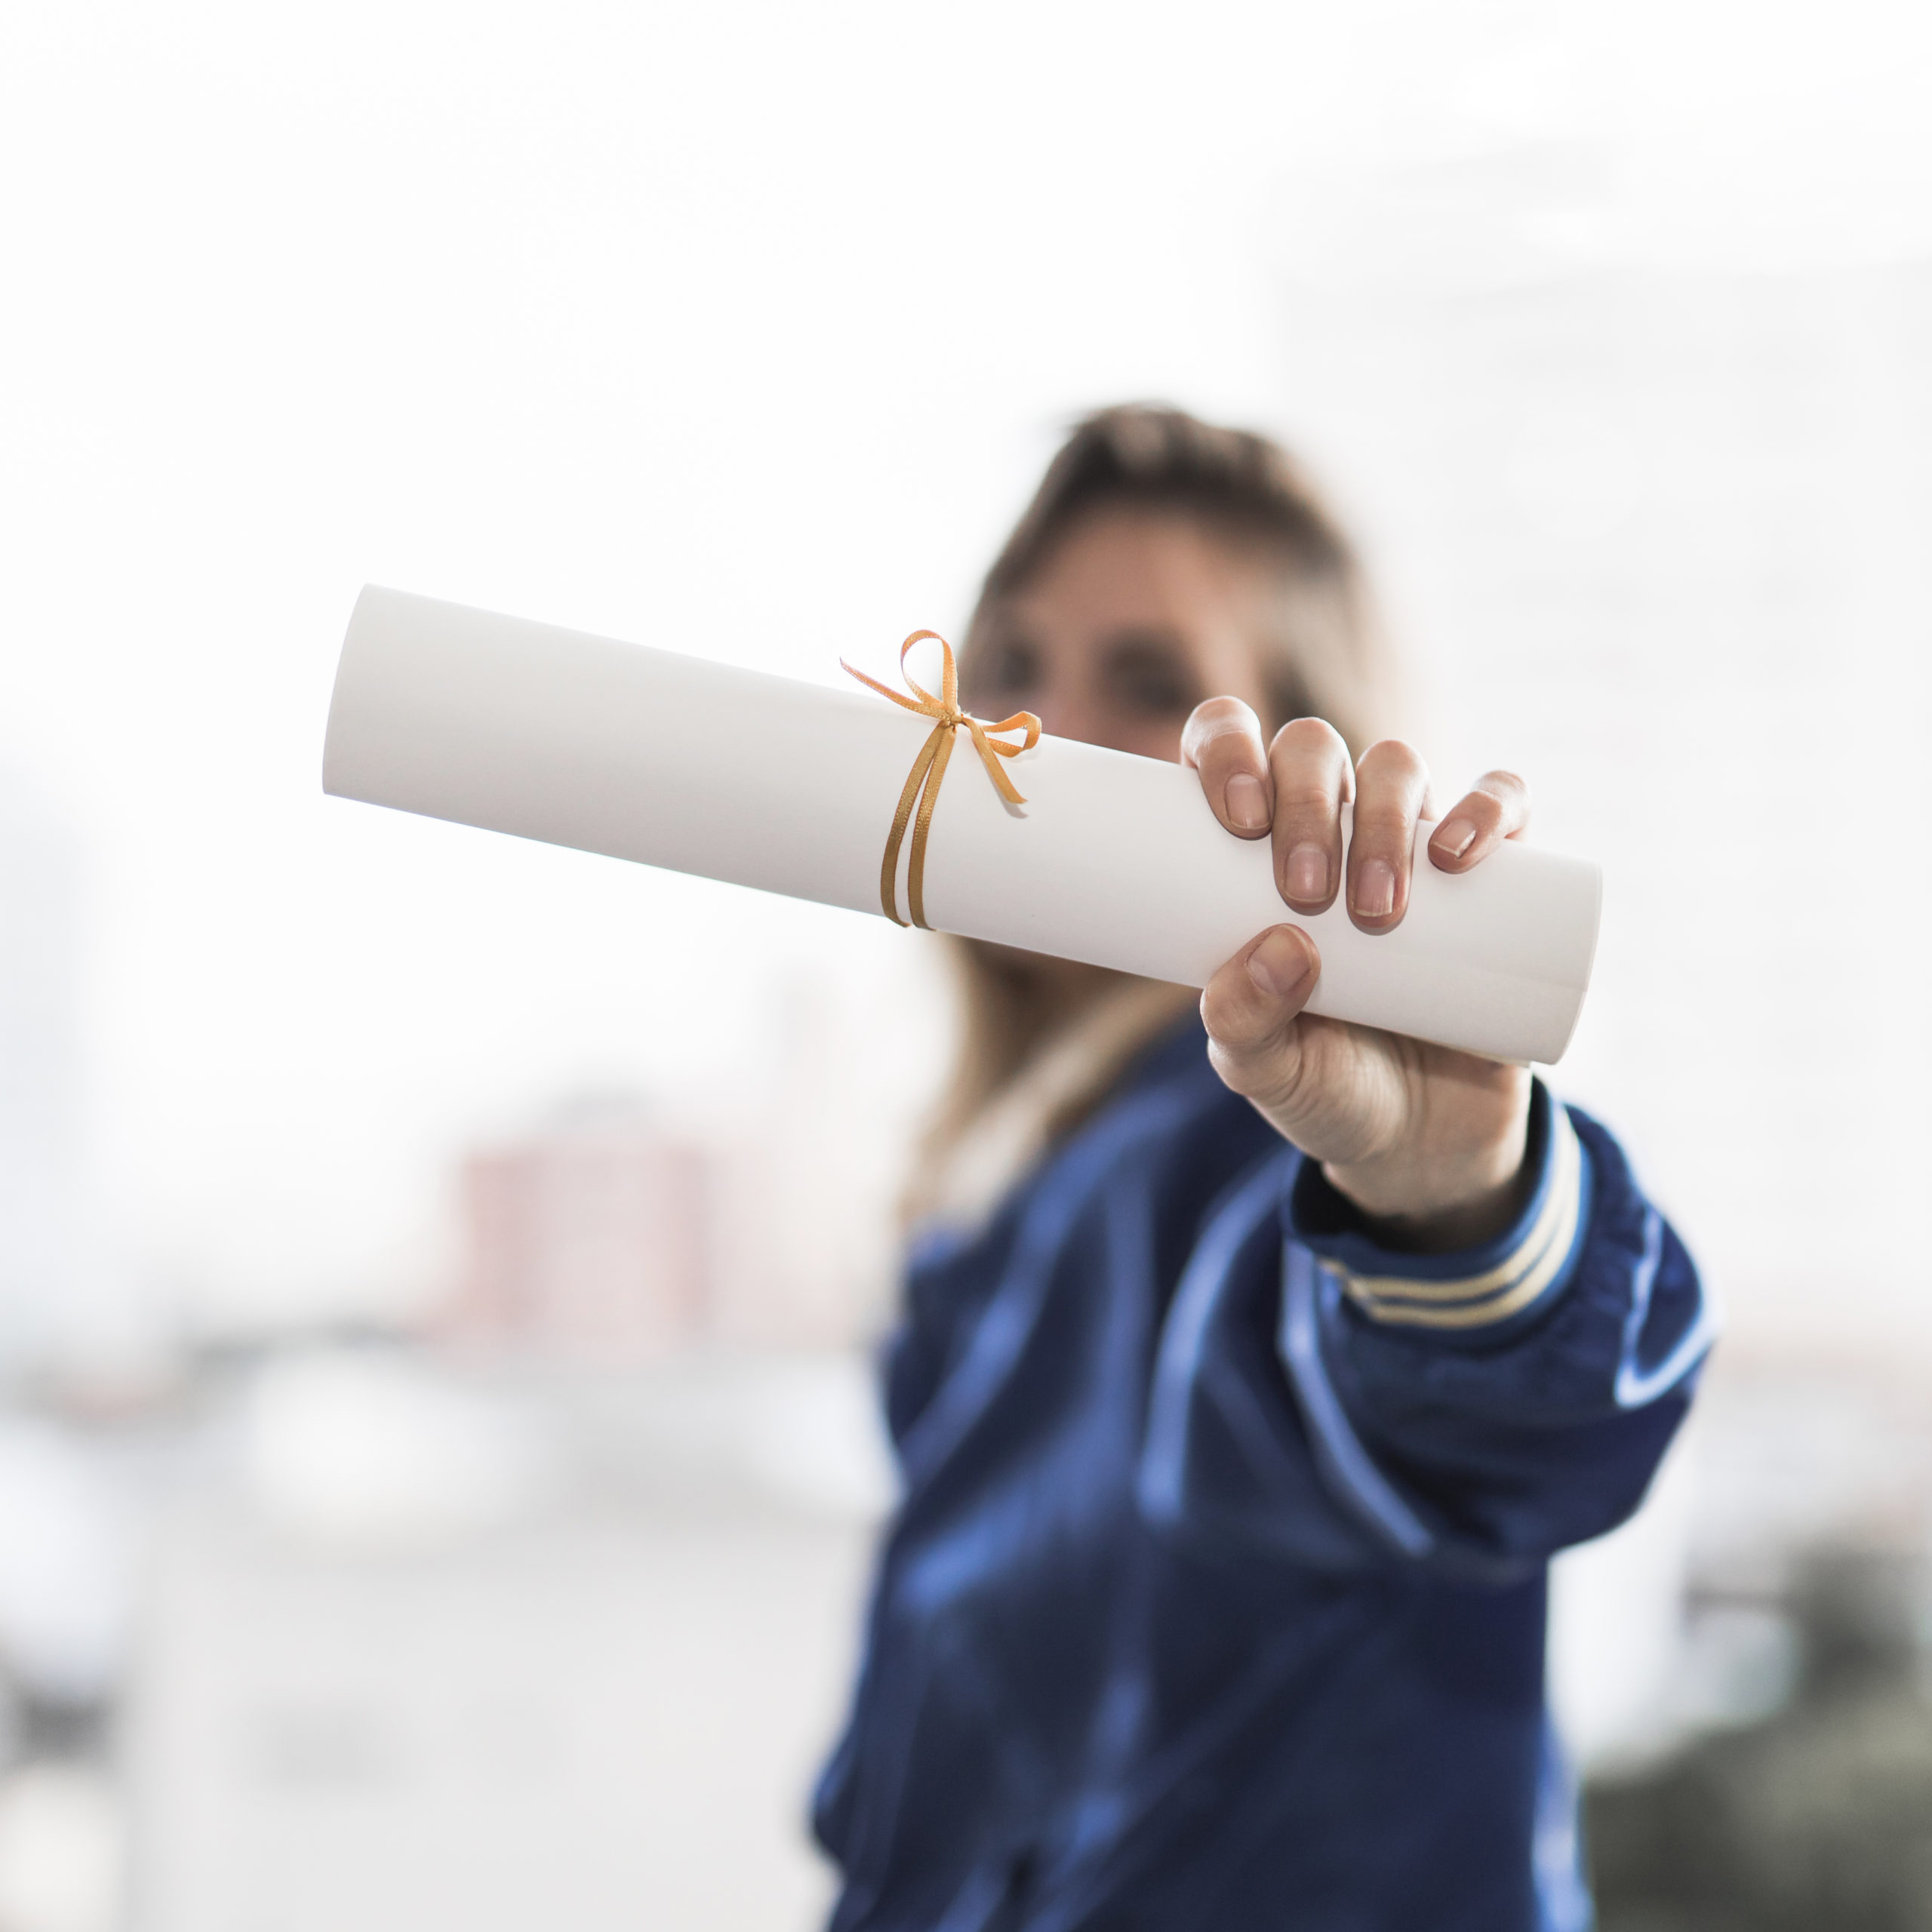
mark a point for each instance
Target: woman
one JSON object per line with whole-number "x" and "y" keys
{"x": 1254, "y": 1364}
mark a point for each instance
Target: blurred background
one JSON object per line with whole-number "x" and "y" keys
{"x": 439, "y": 1275}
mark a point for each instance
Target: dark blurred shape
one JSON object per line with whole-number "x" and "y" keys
{"x": 587, "y": 1238}
{"x": 1818, "y": 1819}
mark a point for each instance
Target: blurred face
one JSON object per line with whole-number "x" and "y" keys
{"x": 1135, "y": 617}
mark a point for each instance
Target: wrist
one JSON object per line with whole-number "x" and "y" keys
{"x": 1435, "y": 1206}
{"x": 1454, "y": 1272}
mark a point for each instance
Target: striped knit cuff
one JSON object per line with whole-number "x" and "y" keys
{"x": 1477, "y": 1290}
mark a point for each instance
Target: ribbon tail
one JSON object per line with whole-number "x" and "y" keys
{"x": 990, "y": 755}
{"x": 941, "y": 743}
{"x": 888, "y": 874}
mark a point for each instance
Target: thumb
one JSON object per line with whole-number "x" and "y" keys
{"x": 1250, "y": 1009}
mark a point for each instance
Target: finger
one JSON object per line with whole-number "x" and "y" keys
{"x": 1497, "y": 808}
{"x": 1391, "y": 783}
{"x": 1313, "y": 779}
{"x": 1249, "y": 1009}
{"x": 1222, "y": 740}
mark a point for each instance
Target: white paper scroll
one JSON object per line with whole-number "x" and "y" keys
{"x": 789, "y": 787}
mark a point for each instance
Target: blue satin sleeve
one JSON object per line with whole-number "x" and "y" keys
{"x": 1346, "y": 1406}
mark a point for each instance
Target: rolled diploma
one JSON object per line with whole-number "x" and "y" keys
{"x": 788, "y": 787}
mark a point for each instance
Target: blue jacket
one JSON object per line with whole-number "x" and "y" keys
{"x": 1216, "y": 1596}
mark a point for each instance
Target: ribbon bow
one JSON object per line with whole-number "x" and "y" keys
{"x": 922, "y": 783}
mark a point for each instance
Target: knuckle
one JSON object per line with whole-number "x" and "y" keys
{"x": 1238, "y": 1058}
{"x": 1220, "y": 728}
{"x": 1235, "y": 1068}
{"x": 1510, "y": 793}
{"x": 1266, "y": 1077}
{"x": 1226, "y": 1013}
{"x": 1306, "y": 809}
{"x": 1309, "y": 738}
{"x": 1393, "y": 760}
{"x": 1309, "y": 764}
{"x": 1381, "y": 824}
{"x": 1223, "y": 713}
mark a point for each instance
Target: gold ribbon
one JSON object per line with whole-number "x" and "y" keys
{"x": 921, "y": 792}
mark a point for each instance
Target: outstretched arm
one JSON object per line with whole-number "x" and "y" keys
{"x": 1458, "y": 1306}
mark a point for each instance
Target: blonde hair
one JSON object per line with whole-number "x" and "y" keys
{"x": 1323, "y": 656}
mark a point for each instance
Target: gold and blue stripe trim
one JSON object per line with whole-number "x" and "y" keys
{"x": 1530, "y": 1269}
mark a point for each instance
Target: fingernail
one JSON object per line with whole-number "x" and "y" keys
{"x": 1375, "y": 889}
{"x": 1454, "y": 838}
{"x": 1278, "y": 965}
{"x": 1308, "y": 874}
{"x": 1247, "y": 802}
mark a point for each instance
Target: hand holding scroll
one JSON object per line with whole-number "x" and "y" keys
{"x": 1428, "y": 1141}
